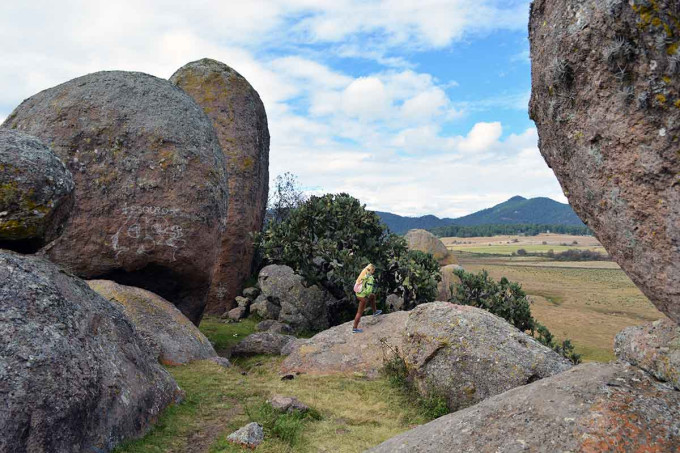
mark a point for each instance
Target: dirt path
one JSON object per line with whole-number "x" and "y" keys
{"x": 201, "y": 441}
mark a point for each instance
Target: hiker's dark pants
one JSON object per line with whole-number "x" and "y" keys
{"x": 362, "y": 307}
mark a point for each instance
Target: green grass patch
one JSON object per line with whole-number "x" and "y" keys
{"x": 509, "y": 249}
{"x": 224, "y": 334}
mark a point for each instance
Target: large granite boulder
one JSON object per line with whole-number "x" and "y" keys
{"x": 593, "y": 407}
{"x": 36, "y": 192}
{"x": 174, "y": 339}
{"x": 605, "y": 99}
{"x": 239, "y": 118}
{"x": 74, "y": 374}
{"x": 427, "y": 242}
{"x": 654, "y": 347}
{"x": 151, "y": 185}
{"x": 462, "y": 353}
{"x": 466, "y": 354}
{"x": 338, "y": 350}
{"x": 449, "y": 279}
{"x": 302, "y": 307}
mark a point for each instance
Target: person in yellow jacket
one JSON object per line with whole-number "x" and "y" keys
{"x": 364, "y": 288}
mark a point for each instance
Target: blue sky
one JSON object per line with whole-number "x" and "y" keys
{"x": 413, "y": 107}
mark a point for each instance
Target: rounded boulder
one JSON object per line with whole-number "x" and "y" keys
{"x": 36, "y": 192}
{"x": 240, "y": 120}
{"x": 172, "y": 337}
{"x": 151, "y": 184}
{"x": 605, "y": 98}
{"x": 427, "y": 242}
{"x": 74, "y": 374}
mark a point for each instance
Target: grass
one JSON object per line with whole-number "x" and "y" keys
{"x": 353, "y": 413}
{"x": 583, "y": 301}
{"x": 509, "y": 249}
{"x": 224, "y": 334}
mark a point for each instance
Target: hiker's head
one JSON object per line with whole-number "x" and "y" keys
{"x": 370, "y": 269}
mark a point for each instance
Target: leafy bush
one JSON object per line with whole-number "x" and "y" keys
{"x": 329, "y": 239}
{"x": 507, "y": 300}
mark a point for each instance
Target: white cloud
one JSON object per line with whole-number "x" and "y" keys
{"x": 379, "y": 136}
{"x": 481, "y": 137}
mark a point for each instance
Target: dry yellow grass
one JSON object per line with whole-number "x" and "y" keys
{"x": 587, "y": 302}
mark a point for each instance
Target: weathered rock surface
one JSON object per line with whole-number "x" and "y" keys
{"x": 302, "y": 307}
{"x": 287, "y": 404}
{"x": 466, "y": 354}
{"x": 394, "y": 303}
{"x": 249, "y": 436}
{"x": 151, "y": 185}
{"x": 427, "y": 242}
{"x": 172, "y": 337}
{"x": 74, "y": 374}
{"x": 654, "y": 347}
{"x": 36, "y": 192}
{"x": 242, "y": 302}
{"x": 605, "y": 99}
{"x": 251, "y": 293}
{"x": 338, "y": 350}
{"x": 447, "y": 281}
{"x": 239, "y": 118}
{"x": 264, "y": 308}
{"x": 262, "y": 343}
{"x": 221, "y": 361}
{"x": 591, "y": 408}
{"x": 237, "y": 313}
{"x": 270, "y": 325}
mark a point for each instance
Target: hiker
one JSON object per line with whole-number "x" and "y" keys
{"x": 364, "y": 288}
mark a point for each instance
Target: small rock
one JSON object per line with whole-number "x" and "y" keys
{"x": 221, "y": 361}
{"x": 273, "y": 326}
{"x": 249, "y": 436}
{"x": 287, "y": 377}
{"x": 264, "y": 308}
{"x": 242, "y": 301}
{"x": 236, "y": 313}
{"x": 394, "y": 303}
{"x": 287, "y": 404}
{"x": 251, "y": 293}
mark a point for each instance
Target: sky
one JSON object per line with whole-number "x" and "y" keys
{"x": 414, "y": 107}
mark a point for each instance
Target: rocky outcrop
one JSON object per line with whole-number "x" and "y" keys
{"x": 74, "y": 374}
{"x": 449, "y": 278}
{"x": 36, "y": 192}
{"x": 172, "y": 337}
{"x": 262, "y": 343}
{"x": 592, "y": 407}
{"x": 338, "y": 350}
{"x": 270, "y": 325}
{"x": 151, "y": 185}
{"x": 462, "y": 353}
{"x": 466, "y": 354}
{"x": 606, "y": 102}
{"x": 264, "y": 308}
{"x": 239, "y": 118}
{"x": 653, "y": 347}
{"x": 288, "y": 404}
{"x": 394, "y": 302}
{"x": 427, "y": 242}
{"x": 302, "y": 307}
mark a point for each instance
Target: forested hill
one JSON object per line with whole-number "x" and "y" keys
{"x": 515, "y": 211}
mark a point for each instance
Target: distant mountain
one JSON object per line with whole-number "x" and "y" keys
{"x": 516, "y": 210}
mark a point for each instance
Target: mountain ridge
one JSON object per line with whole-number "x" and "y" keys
{"x": 515, "y": 210}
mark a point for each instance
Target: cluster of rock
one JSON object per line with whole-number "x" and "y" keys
{"x": 153, "y": 188}
{"x": 286, "y": 297}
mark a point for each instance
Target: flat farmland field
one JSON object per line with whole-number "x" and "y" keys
{"x": 588, "y": 302}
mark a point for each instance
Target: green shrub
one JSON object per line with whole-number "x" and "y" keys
{"x": 507, "y": 300}
{"x": 329, "y": 239}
